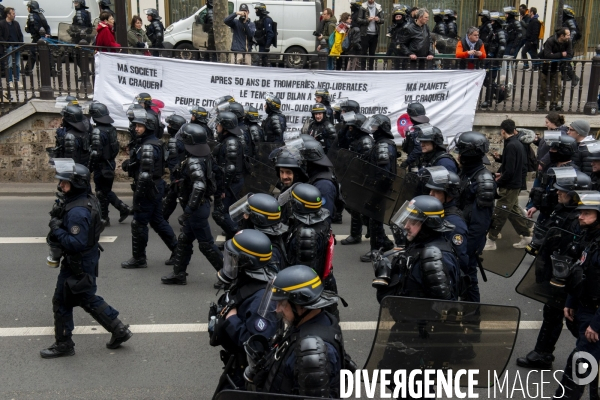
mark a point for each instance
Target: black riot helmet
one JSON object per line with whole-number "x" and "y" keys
{"x": 430, "y": 133}
{"x": 313, "y": 152}
{"x": 144, "y": 98}
{"x": 568, "y": 11}
{"x": 174, "y": 123}
{"x": 237, "y": 109}
{"x": 416, "y": 112}
{"x": 73, "y": 115}
{"x": 472, "y": 145}
{"x": 438, "y": 15}
{"x": 425, "y": 209}
{"x": 562, "y": 149}
{"x": 260, "y": 9}
{"x": 306, "y": 199}
{"x": 485, "y": 15}
{"x": 588, "y": 200}
{"x": 317, "y": 108}
{"x": 228, "y": 120}
{"x": 291, "y": 160}
{"x": 439, "y": 178}
{"x": 378, "y": 125}
{"x": 77, "y": 174}
{"x": 153, "y": 12}
{"x": 354, "y": 119}
{"x": 79, "y": 4}
{"x": 350, "y": 105}
{"x": 72, "y": 101}
{"x": 248, "y": 252}
{"x": 105, "y": 3}
{"x": 209, "y": 3}
{"x": 264, "y": 210}
{"x": 450, "y": 14}
{"x": 355, "y": 5}
{"x": 130, "y": 111}
{"x": 194, "y": 138}
{"x": 251, "y": 114}
{"x": 302, "y": 286}
{"x": 511, "y": 10}
{"x": 199, "y": 113}
{"x": 324, "y": 95}
{"x": 273, "y": 104}
{"x": 568, "y": 179}
{"x": 99, "y": 112}
{"x": 143, "y": 117}
{"x": 33, "y": 6}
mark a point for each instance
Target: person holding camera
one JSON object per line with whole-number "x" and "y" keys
{"x": 243, "y": 32}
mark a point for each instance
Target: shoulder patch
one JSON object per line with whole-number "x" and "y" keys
{"x": 75, "y": 229}
{"x": 260, "y": 325}
{"x": 457, "y": 240}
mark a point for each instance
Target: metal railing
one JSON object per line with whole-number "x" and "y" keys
{"x": 51, "y": 69}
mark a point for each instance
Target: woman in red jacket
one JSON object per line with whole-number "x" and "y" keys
{"x": 470, "y": 47}
{"x": 106, "y": 32}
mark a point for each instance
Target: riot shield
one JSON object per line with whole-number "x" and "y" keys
{"x": 342, "y": 161}
{"x": 199, "y": 37}
{"x": 70, "y": 33}
{"x": 443, "y": 335}
{"x": 258, "y": 177}
{"x": 264, "y": 149}
{"x": 539, "y": 283}
{"x": 247, "y": 395}
{"x": 372, "y": 191}
{"x": 505, "y": 260}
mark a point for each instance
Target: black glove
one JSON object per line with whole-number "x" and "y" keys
{"x": 403, "y": 164}
{"x": 125, "y": 165}
{"x": 141, "y": 45}
{"x": 219, "y": 207}
{"x": 55, "y": 223}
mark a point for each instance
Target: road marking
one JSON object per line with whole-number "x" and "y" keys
{"x": 187, "y": 328}
{"x": 31, "y": 240}
{"x": 221, "y": 238}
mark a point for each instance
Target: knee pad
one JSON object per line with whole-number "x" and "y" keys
{"x": 184, "y": 239}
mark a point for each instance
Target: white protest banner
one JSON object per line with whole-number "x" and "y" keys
{"x": 450, "y": 97}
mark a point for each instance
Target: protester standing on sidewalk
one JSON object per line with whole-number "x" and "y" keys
{"x": 370, "y": 19}
{"x": 416, "y": 40}
{"x": 532, "y": 40}
{"x": 106, "y": 33}
{"x": 136, "y": 37}
{"x": 557, "y": 47}
{"x": 10, "y": 31}
{"x": 243, "y": 32}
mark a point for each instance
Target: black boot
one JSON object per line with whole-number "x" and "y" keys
{"x": 366, "y": 257}
{"x": 337, "y": 218}
{"x": 175, "y": 279}
{"x": 120, "y": 332}
{"x": 138, "y": 248}
{"x": 171, "y": 260}
{"x": 568, "y": 389}
{"x": 124, "y": 211}
{"x": 63, "y": 346}
{"x": 104, "y": 203}
{"x": 535, "y": 360}
{"x": 181, "y": 255}
{"x": 541, "y": 357}
{"x": 593, "y": 388}
{"x": 355, "y": 230}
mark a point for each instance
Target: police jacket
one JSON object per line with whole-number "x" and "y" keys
{"x": 307, "y": 244}
{"x": 274, "y": 127}
{"x": 581, "y": 157}
{"x": 323, "y": 178}
{"x": 146, "y": 166}
{"x": 585, "y": 293}
{"x": 458, "y": 237}
{"x": 384, "y": 153}
{"x": 533, "y": 30}
{"x": 230, "y": 158}
{"x": 82, "y": 18}
{"x": 176, "y": 149}
{"x": 439, "y": 157}
{"x": 498, "y": 46}
{"x": 553, "y": 50}
{"x": 319, "y": 343}
{"x": 452, "y": 29}
{"x": 197, "y": 181}
{"x": 515, "y": 33}
{"x": 477, "y": 203}
{"x": 396, "y": 32}
{"x": 323, "y": 131}
{"x": 428, "y": 268}
{"x": 486, "y": 33}
{"x": 440, "y": 26}
{"x": 243, "y": 32}
{"x": 35, "y": 22}
{"x": 362, "y": 145}
{"x": 595, "y": 180}
{"x": 570, "y": 23}
{"x": 155, "y": 32}
{"x": 104, "y": 149}
{"x": 416, "y": 40}
{"x": 73, "y": 143}
{"x": 363, "y": 18}
{"x": 514, "y": 165}
{"x": 264, "y": 35}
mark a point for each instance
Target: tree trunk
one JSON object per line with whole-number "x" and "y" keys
{"x": 222, "y": 31}
{"x": 559, "y": 14}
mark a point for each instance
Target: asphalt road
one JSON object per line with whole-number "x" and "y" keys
{"x": 175, "y": 361}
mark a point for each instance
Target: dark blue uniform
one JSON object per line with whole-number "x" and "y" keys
{"x": 328, "y": 192}
{"x": 176, "y": 155}
{"x": 274, "y": 130}
{"x": 230, "y": 157}
{"x": 74, "y": 237}
{"x": 378, "y": 238}
{"x": 458, "y": 237}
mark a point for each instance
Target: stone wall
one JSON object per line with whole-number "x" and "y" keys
{"x": 23, "y": 156}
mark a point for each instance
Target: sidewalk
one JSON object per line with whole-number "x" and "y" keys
{"x": 48, "y": 189}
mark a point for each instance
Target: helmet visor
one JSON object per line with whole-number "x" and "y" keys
{"x": 587, "y": 198}
{"x": 551, "y": 137}
{"x": 407, "y": 214}
{"x": 424, "y": 132}
{"x": 212, "y": 122}
{"x": 339, "y": 103}
{"x": 230, "y": 265}
{"x": 289, "y": 136}
{"x": 370, "y": 125}
{"x": 286, "y": 196}
{"x": 62, "y": 102}
{"x": 63, "y": 164}
{"x": 267, "y": 304}
{"x": 295, "y": 145}
{"x": 239, "y": 208}
{"x": 270, "y": 97}
{"x": 437, "y": 175}
{"x": 349, "y": 118}
{"x": 564, "y": 176}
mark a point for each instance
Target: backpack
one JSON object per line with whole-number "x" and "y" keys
{"x": 275, "y": 33}
{"x": 331, "y": 40}
{"x": 346, "y": 43}
{"x": 542, "y": 30}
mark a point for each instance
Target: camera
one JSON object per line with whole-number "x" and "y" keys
{"x": 256, "y": 347}
{"x": 316, "y": 34}
{"x": 382, "y": 268}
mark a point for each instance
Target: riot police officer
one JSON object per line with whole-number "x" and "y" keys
{"x": 322, "y": 97}
{"x": 320, "y": 174}
{"x": 262, "y": 212}
{"x": 594, "y": 159}
{"x": 176, "y": 149}
{"x": 155, "y": 31}
{"x": 76, "y": 231}
{"x": 362, "y": 143}
{"x": 206, "y": 19}
{"x": 230, "y": 158}
{"x": 433, "y": 149}
{"x": 312, "y": 346}
{"x": 428, "y": 267}
{"x": 247, "y": 269}
{"x": 197, "y": 184}
{"x": 200, "y": 116}
{"x": 238, "y": 110}
{"x": 582, "y": 303}
{"x": 105, "y": 7}
{"x": 320, "y": 127}
{"x": 495, "y": 49}
{"x": 476, "y": 201}
{"x": 290, "y": 169}
{"x": 570, "y": 23}
{"x": 72, "y": 137}
{"x": 383, "y": 155}
{"x": 264, "y": 35}
{"x": 399, "y": 22}
{"x": 146, "y": 166}
{"x": 514, "y": 31}
{"x": 410, "y": 145}
{"x": 104, "y": 148}
{"x": 274, "y": 124}
{"x": 445, "y": 185}
{"x": 563, "y": 219}
{"x": 145, "y": 100}
{"x": 252, "y": 121}
{"x": 486, "y": 30}
{"x": 451, "y": 27}
{"x": 82, "y": 21}
{"x": 339, "y": 108}
{"x": 440, "y": 24}
{"x": 37, "y": 27}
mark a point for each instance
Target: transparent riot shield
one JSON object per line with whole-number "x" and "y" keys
{"x": 199, "y": 37}
{"x": 246, "y": 395}
{"x": 370, "y": 190}
{"x": 343, "y": 158}
{"x": 540, "y": 283}
{"x": 258, "y": 177}
{"x": 263, "y": 151}
{"x": 443, "y": 335}
{"x": 505, "y": 260}
{"x": 70, "y": 33}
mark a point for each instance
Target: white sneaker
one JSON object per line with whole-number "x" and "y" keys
{"x": 499, "y": 236}
{"x": 525, "y": 240}
{"x": 490, "y": 245}
{"x": 19, "y": 85}
{"x": 11, "y": 85}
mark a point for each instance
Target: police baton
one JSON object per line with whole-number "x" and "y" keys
{"x": 480, "y": 265}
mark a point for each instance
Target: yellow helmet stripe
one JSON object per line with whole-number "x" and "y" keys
{"x": 262, "y": 257}
{"x": 269, "y": 215}
{"x": 307, "y": 203}
{"x": 316, "y": 282}
{"x": 440, "y": 213}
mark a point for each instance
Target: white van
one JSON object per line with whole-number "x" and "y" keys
{"x": 55, "y": 11}
{"x": 296, "y": 22}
